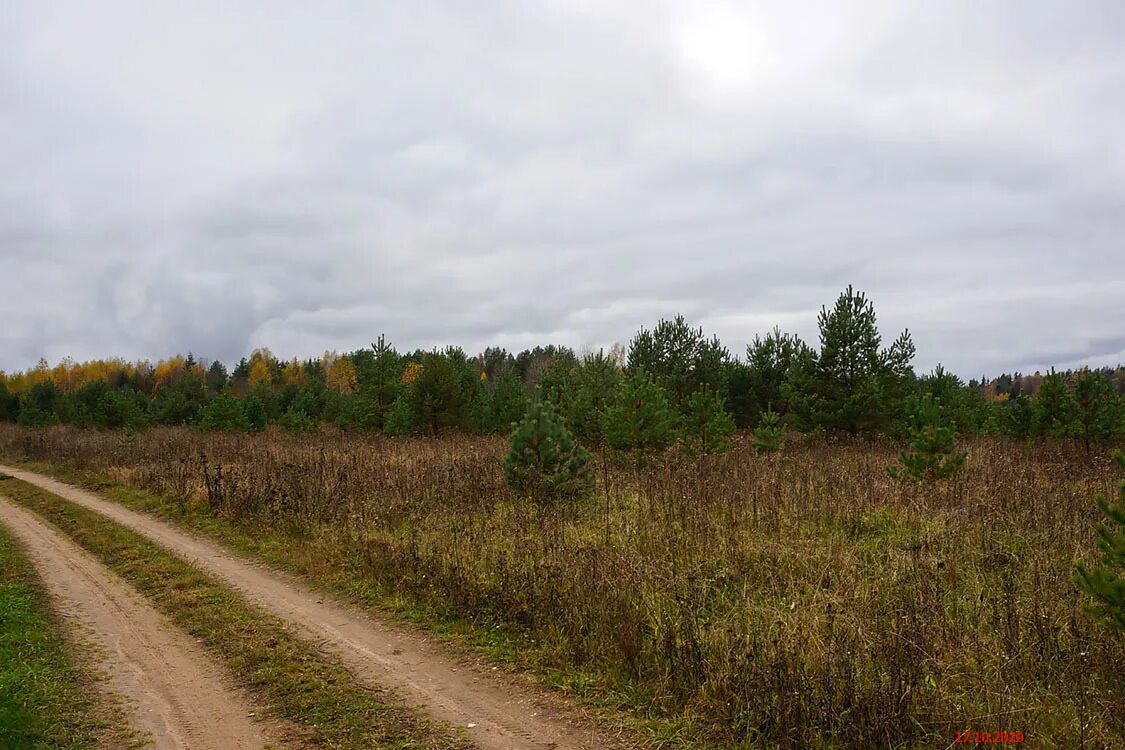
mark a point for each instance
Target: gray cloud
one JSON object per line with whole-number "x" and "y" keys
{"x": 308, "y": 176}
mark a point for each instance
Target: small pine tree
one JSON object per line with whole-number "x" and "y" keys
{"x": 1056, "y": 412}
{"x": 297, "y": 420}
{"x": 707, "y": 426}
{"x": 769, "y": 433}
{"x": 400, "y": 419}
{"x": 1106, "y": 582}
{"x": 225, "y": 413}
{"x": 931, "y": 455}
{"x": 255, "y": 412}
{"x": 640, "y": 420}
{"x": 505, "y": 403}
{"x": 1097, "y": 408}
{"x": 40, "y": 406}
{"x": 543, "y": 461}
{"x": 9, "y": 404}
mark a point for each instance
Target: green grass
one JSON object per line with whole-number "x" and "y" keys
{"x": 47, "y": 696}
{"x": 312, "y": 692}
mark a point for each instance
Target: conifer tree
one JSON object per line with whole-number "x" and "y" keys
{"x": 216, "y": 379}
{"x": 707, "y": 427}
{"x": 379, "y": 383}
{"x": 769, "y": 433}
{"x": 122, "y": 408}
{"x": 853, "y": 384}
{"x": 297, "y": 420}
{"x": 1105, "y": 582}
{"x": 400, "y": 419}
{"x": 40, "y": 406}
{"x": 543, "y": 461}
{"x": 9, "y": 404}
{"x": 680, "y": 359}
{"x": 1098, "y": 411}
{"x": 640, "y": 419}
{"x": 770, "y": 363}
{"x": 592, "y": 385}
{"x": 506, "y": 403}
{"x": 1018, "y": 416}
{"x": 1055, "y": 411}
{"x": 224, "y": 413}
{"x": 445, "y": 393}
{"x": 932, "y": 452}
{"x": 255, "y": 413}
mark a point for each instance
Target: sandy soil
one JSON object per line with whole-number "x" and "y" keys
{"x": 497, "y": 712}
{"x": 173, "y": 692}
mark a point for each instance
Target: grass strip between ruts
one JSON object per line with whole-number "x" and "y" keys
{"x": 295, "y": 680}
{"x": 47, "y": 695}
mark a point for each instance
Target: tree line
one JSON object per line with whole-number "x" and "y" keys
{"x": 672, "y": 382}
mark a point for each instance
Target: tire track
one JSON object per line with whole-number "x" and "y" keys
{"x": 497, "y": 713}
{"x": 176, "y": 694}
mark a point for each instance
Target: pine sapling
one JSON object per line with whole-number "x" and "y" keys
{"x": 1105, "y": 582}
{"x": 931, "y": 454}
{"x": 640, "y": 420}
{"x": 543, "y": 461}
{"x": 769, "y": 433}
{"x": 707, "y": 426}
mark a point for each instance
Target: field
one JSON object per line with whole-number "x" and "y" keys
{"x": 800, "y": 600}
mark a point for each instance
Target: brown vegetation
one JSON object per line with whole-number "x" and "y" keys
{"x": 801, "y": 599}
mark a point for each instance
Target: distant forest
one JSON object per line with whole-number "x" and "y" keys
{"x": 850, "y": 383}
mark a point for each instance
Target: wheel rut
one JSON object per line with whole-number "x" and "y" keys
{"x": 174, "y": 692}
{"x": 497, "y": 713}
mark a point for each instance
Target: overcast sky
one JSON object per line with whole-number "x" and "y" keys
{"x": 305, "y": 176}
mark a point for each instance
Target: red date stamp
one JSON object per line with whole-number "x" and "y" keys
{"x": 1001, "y": 737}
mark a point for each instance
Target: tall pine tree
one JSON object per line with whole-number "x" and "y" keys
{"x": 853, "y": 384}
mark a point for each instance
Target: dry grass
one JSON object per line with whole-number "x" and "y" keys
{"x": 801, "y": 600}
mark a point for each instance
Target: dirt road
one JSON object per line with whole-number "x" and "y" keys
{"x": 174, "y": 692}
{"x": 498, "y": 713}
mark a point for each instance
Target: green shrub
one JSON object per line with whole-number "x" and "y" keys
{"x": 543, "y": 461}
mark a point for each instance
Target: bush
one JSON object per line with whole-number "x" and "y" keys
{"x": 543, "y": 461}
{"x": 1106, "y": 582}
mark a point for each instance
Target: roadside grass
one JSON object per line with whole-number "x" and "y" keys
{"x": 48, "y": 695}
{"x": 310, "y": 691}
